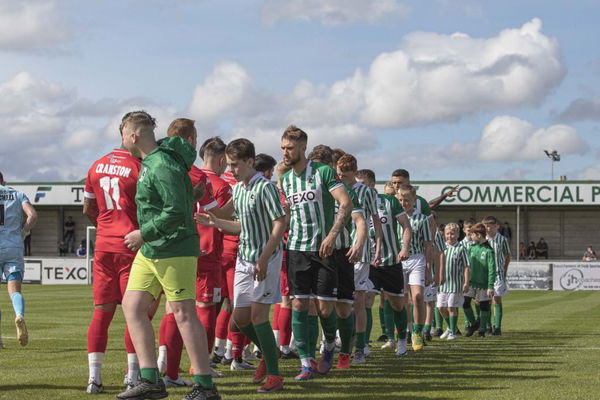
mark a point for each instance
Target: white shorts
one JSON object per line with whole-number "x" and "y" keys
{"x": 361, "y": 277}
{"x": 430, "y": 293}
{"x": 450, "y": 299}
{"x": 414, "y": 270}
{"x": 478, "y": 294}
{"x": 246, "y": 290}
{"x": 500, "y": 288}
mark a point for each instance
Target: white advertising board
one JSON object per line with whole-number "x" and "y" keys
{"x": 576, "y": 276}
{"x": 64, "y": 271}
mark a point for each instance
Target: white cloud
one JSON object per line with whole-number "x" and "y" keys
{"x": 224, "y": 88}
{"x": 437, "y": 77}
{"x": 332, "y": 12}
{"x": 23, "y": 92}
{"x": 30, "y": 25}
{"x": 508, "y": 138}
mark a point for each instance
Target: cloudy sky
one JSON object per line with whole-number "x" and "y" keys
{"x": 448, "y": 89}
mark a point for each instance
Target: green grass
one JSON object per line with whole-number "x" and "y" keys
{"x": 550, "y": 349}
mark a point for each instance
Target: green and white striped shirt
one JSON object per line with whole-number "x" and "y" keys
{"x": 439, "y": 241}
{"x": 257, "y": 206}
{"x": 501, "y": 249}
{"x": 389, "y": 210}
{"x": 454, "y": 269}
{"x": 420, "y": 232}
{"x": 344, "y": 239}
{"x": 312, "y": 207}
{"x": 466, "y": 243}
{"x": 367, "y": 198}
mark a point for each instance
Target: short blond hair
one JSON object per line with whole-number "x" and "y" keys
{"x": 452, "y": 226}
{"x": 407, "y": 189}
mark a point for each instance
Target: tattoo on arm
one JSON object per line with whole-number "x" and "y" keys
{"x": 341, "y": 218}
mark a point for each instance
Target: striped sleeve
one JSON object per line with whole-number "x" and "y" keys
{"x": 272, "y": 201}
{"x": 425, "y": 231}
{"x": 396, "y": 207}
{"x": 330, "y": 179}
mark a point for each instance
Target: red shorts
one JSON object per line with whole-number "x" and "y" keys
{"x": 227, "y": 274}
{"x": 208, "y": 283}
{"x": 285, "y": 289}
{"x": 110, "y": 273}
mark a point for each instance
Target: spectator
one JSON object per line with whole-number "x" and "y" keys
{"x": 589, "y": 255}
{"x": 506, "y": 231}
{"x": 62, "y": 248}
{"x": 541, "y": 249}
{"x": 522, "y": 250}
{"x": 27, "y": 244}
{"x": 81, "y": 251}
{"x": 531, "y": 251}
{"x": 69, "y": 234}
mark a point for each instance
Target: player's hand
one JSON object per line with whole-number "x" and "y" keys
{"x": 490, "y": 293}
{"x": 260, "y": 270}
{"x": 24, "y": 234}
{"x": 465, "y": 288}
{"x": 377, "y": 261}
{"x": 327, "y": 246}
{"x": 205, "y": 219}
{"x": 354, "y": 254}
{"x": 451, "y": 192}
{"x": 428, "y": 277}
{"x": 133, "y": 240}
{"x": 403, "y": 255}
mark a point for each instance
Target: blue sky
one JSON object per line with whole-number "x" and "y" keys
{"x": 451, "y": 90}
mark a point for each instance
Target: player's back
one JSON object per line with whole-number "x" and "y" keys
{"x": 11, "y": 217}
{"x": 112, "y": 181}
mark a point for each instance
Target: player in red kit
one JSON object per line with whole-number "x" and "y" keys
{"x": 109, "y": 203}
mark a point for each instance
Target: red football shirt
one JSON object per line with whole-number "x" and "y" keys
{"x": 206, "y": 203}
{"x": 211, "y": 239}
{"x": 230, "y": 242}
{"x": 111, "y": 181}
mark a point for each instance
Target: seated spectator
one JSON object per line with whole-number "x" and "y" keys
{"x": 81, "y": 251}
{"x": 62, "y": 248}
{"x": 531, "y": 251}
{"x": 522, "y": 250}
{"x": 541, "y": 249}
{"x": 589, "y": 255}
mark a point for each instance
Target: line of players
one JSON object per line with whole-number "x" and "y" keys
{"x": 342, "y": 246}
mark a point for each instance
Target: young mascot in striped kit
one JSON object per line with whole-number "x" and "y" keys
{"x": 261, "y": 225}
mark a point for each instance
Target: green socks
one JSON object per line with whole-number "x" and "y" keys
{"x": 427, "y": 328}
{"x": 452, "y": 321}
{"x": 497, "y": 315}
{"x": 150, "y": 374}
{"x": 300, "y": 330}
{"x": 388, "y": 312}
{"x": 469, "y": 316}
{"x": 346, "y": 327}
{"x": 439, "y": 321}
{"x": 485, "y": 320}
{"x": 329, "y": 326}
{"x": 204, "y": 380}
{"x": 369, "y": 324}
{"x": 250, "y": 333}
{"x": 382, "y": 319}
{"x": 401, "y": 320}
{"x": 313, "y": 334}
{"x": 360, "y": 342}
{"x": 268, "y": 347}
{"x": 417, "y": 328}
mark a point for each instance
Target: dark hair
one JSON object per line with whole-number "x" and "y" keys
{"x": 264, "y": 162}
{"x": 490, "y": 219}
{"x": 401, "y": 173}
{"x": 295, "y": 134}
{"x": 240, "y": 149}
{"x": 337, "y": 154}
{"x": 323, "y": 153}
{"x": 213, "y": 146}
{"x": 478, "y": 228}
{"x": 182, "y": 127}
{"x": 366, "y": 174}
{"x": 347, "y": 162}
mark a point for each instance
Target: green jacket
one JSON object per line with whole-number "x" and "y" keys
{"x": 165, "y": 203}
{"x": 482, "y": 267}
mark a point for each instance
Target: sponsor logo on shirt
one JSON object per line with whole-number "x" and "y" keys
{"x": 307, "y": 196}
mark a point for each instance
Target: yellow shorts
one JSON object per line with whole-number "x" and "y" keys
{"x": 176, "y": 276}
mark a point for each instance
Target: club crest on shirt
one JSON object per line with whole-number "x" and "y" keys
{"x": 143, "y": 174}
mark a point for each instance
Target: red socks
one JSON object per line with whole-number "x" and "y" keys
{"x": 223, "y": 324}
{"x": 285, "y": 326}
{"x": 208, "y": 318}
{"x": 276, "y": 309}
{"x": 98, "y": 331}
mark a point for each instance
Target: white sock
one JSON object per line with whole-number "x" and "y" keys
{"x": 285, "y": 349}
{"x": 276, "y": 334}
{"x": 220, "y": 346}
{"x": 292, "y": 342}
{"x": 305, "y": 362}
{"x": 95, "y": 364}
{"x": 228, "y": 349}
{"x": 162, "y": 359}
{"x": 255, "y": 348}
{"x": 330, "y": 346}
{"x": 133, "y": 368}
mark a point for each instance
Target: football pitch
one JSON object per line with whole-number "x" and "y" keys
{"x": 550, "y": 349}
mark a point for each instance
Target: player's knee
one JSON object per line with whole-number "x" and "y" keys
{"x": 106, "y": 307}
